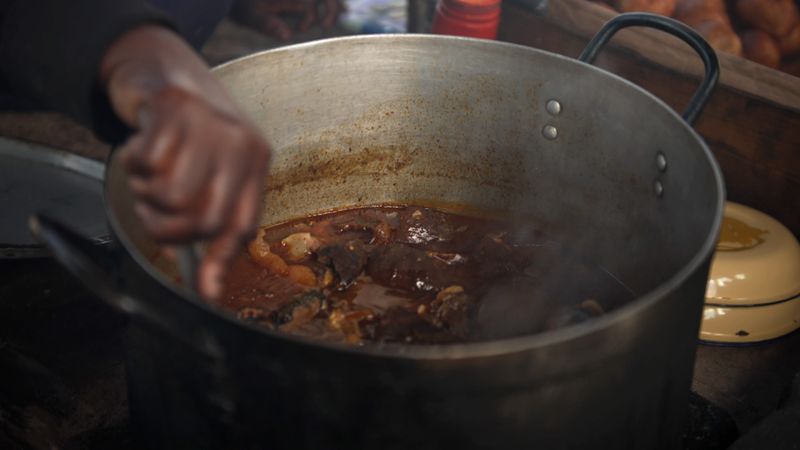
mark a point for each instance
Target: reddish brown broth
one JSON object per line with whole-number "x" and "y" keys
{"x": 411, "y": 274}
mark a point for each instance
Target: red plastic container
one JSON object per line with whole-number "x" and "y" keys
{"x": 471, "y": 18}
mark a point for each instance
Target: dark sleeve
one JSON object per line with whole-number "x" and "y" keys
{"x": 51, "y": 51}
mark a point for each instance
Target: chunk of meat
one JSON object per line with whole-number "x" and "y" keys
{"x": 263, "y": 290}
{"x": 414, "y": 269}
{"x": 423, "y": 226}
{"x": 382, "y": 234}
{"x": 260, "y": 253}
{"x": 299, "y": 246}
{"x": 327, "y": 278}
{"x": 512, "y": 306}
{"x": 566, "y": 316}
{"x": 302, "y": 275}
{"x": 376, "y": 227}
{"x": 347, "y": 260}
{"x": 301, "y": 310}
{"x": 354, "y": 224}
{"x": 592, "y": 307}
{"x": 252, "y": 314}
{"x": 403, "y": 325}
{"x": 349, "y": 322}
{"x": 498, "y": 257}
{"x": 449, "y": 258}
{"x": 452, "y": 310}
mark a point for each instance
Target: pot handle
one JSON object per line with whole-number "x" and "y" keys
{"x": 78, "y": 255}
{"x": 675, "y": 28}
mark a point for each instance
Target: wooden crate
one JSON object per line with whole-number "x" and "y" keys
{"x": 752, "y": 122}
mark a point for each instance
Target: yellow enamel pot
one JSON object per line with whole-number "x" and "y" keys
{"x": 753, "y": 291}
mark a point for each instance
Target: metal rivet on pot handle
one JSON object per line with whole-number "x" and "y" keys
{"x": 553, "y": 107}
{"x": 675, "y": 28}
{"x": 550, "y": 132}
{"x": 661, "y": 162}
{"x": 658, "y": 188}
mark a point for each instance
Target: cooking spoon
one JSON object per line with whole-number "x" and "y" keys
{"x": 187, "y": 256}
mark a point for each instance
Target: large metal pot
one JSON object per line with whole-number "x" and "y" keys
{"x": 599, "y": 162}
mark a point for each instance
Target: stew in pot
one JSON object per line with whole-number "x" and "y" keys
{"x": 413, "y": 274}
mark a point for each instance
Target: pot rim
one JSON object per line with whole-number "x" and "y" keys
{"x": 463, "y": 350}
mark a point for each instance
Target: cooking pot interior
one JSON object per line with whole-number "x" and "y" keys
{"x": 612, "y": 173}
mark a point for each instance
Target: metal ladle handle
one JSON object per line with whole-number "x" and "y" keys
{"x": 675, "y": 28}
{"x": 188, "y": 260}
{"x": 187, "y": 256}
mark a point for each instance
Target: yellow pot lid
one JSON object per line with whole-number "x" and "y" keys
{"x": 757, "y": 260}
{"x": 736, "y": 324}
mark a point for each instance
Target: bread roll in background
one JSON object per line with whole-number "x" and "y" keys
{"x": 663, "y": 7}
{"x": 719, "y": 35}
{"x": 760, "y": 47}
{"x": 700, "y": 10}
{"x": 710, "y": 19}
{"x": 790, "y": 44}
{"x": 771, "y": 35}
{"x": 604, "y": 4}
{"x": 776, "y": 17}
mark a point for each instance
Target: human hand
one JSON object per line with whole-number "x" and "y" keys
{"x": 196, "y": 165}
{"x": 269, "y": 16}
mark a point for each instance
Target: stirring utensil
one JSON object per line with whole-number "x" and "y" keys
{"x": 187, "y": 256}
{"x": 188, "y": 260}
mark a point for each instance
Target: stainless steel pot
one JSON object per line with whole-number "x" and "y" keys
{"x": 599, "y": 162}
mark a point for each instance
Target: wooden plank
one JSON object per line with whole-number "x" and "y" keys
{"x": 755, "y": 140}
{"x": 584, "y": 19}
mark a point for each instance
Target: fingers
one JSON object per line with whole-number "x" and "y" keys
{"x": 223, "y": 193}
{"x": 181, "y": 186}
{"x": 150, "y": 151}
{"x": 130, "y": 151}
{"x": 196, "y": 174}
{"x": 238, "y": 227}
{"x": 182, "y": 206}
{"x": 238, "y": 191}
{"x": 223, "y": 249}
{"x": 167, "y": 227}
